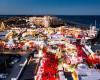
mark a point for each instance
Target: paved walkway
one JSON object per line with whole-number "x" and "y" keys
{"x": 29, "y": 71}
{"x": 17, "y": 68}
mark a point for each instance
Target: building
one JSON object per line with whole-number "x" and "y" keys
{"x": 46, "y": 21}
{"x": 2, "y": 26}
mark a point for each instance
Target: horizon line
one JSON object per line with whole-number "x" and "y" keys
{"x": 50, "y": 14}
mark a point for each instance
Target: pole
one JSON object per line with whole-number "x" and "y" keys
{"x": 95, "y": 23}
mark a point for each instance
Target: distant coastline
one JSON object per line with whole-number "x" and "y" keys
{"x": 78, "y": 19}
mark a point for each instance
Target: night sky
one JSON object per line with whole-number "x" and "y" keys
{"x": 53, "y": 7}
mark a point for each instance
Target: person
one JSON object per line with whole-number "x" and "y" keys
{"x": 98, "y": 66}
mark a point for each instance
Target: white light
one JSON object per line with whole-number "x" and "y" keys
{"x": 40, "y": 53}
{"x": 64, "y": 65}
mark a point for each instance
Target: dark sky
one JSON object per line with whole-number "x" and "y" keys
{"x": 56, "y": 7}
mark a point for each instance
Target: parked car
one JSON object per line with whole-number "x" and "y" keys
{"x": 14, "y": 60}
{"x": 3, "y": 76}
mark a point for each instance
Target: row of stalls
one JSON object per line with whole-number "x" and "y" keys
{"x": 60, "y": 51}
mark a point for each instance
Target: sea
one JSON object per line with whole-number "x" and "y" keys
{"x": 82, "y": 19}
{"x": 75, "y": 19}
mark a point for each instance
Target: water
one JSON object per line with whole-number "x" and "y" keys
{"x": 81, "y": 19}
{"x": 87, "y": 20}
